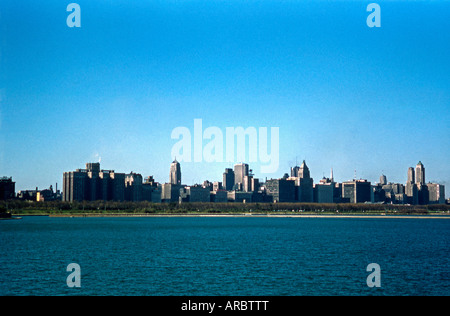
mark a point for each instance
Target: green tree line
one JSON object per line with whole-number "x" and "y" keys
{"x": 60, "y": 207}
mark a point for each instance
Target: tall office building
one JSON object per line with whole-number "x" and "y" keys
{"x": 411, "y": 178}
{"x": 175, "y": 173}
{"x": 294, "y": 171}
{"x": 324, "y": 192}
{"x": 228, "y": 179}
{"x": 411, "y": 188}
{"x": 357, "y": 191}
{"x": 303, "y": 172}
{"x": 305, "y": 184}
{"x": 383, "y": 179}
{"x": 281, "y": 190}
{"x": 240, "y": 171}
{"x": 420, "y": 173}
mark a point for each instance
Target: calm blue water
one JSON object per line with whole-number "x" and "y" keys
{"x": 224, "y": 256}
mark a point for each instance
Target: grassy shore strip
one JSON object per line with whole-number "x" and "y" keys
{"x": 109, "y": 208}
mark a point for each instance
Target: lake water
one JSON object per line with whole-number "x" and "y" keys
{"x": 255, "y": 256}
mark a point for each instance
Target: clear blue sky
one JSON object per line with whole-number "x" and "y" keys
{"x": 374, "y": 100}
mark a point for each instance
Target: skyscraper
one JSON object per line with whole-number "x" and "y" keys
{"x": 420, "y": 173}
{"x": 411, "y": 178}
{"x": 411, "y": 188}
{"x": 175, "y": 172}
{"x": 305, "y": 184}
{"x": 294, "y": 171}
{"x": 240, "y": 171}
{"x": 228, "y": 179}
{"x": 303, "y": 172}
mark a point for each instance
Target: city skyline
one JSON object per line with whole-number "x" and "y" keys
{"x": 239, "y": 185}
{"x": 413, "y": 174}
{"x": 343, "y": 95}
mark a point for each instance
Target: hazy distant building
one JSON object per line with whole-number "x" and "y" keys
{"x": 7, "y": 188}
{"x": 175, "y": 173}
{"x": 208, "y": 184}
{"x": 383, "y": 179}
{"x": 28, "y": 195}
{"x": 217, "y": 186}
{"x": 48, "y": 194}
{"x": 240, "y": 197}
{"x": 219, "y": 196}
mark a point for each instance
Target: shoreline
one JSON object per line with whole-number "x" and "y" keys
{"x": 248, "y": 215}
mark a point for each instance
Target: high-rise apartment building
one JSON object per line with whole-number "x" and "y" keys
{"x": 436, "y": 193}
{"x": 92, "y": 184}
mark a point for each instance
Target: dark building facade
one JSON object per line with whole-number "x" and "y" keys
{"x": 133, "y": 187}
{"x": 170, "y": 192}
{"x": 7, "y": 188}
{"x": 324, "y": 192}
{"x": 281, "y": 190}
{"x": 303, "y": 182}
{"x": 196, "y": 193}
{"x": 228, "y": 179}
{"x": 357, "y": 191}
{"x": 93, "y": 184}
